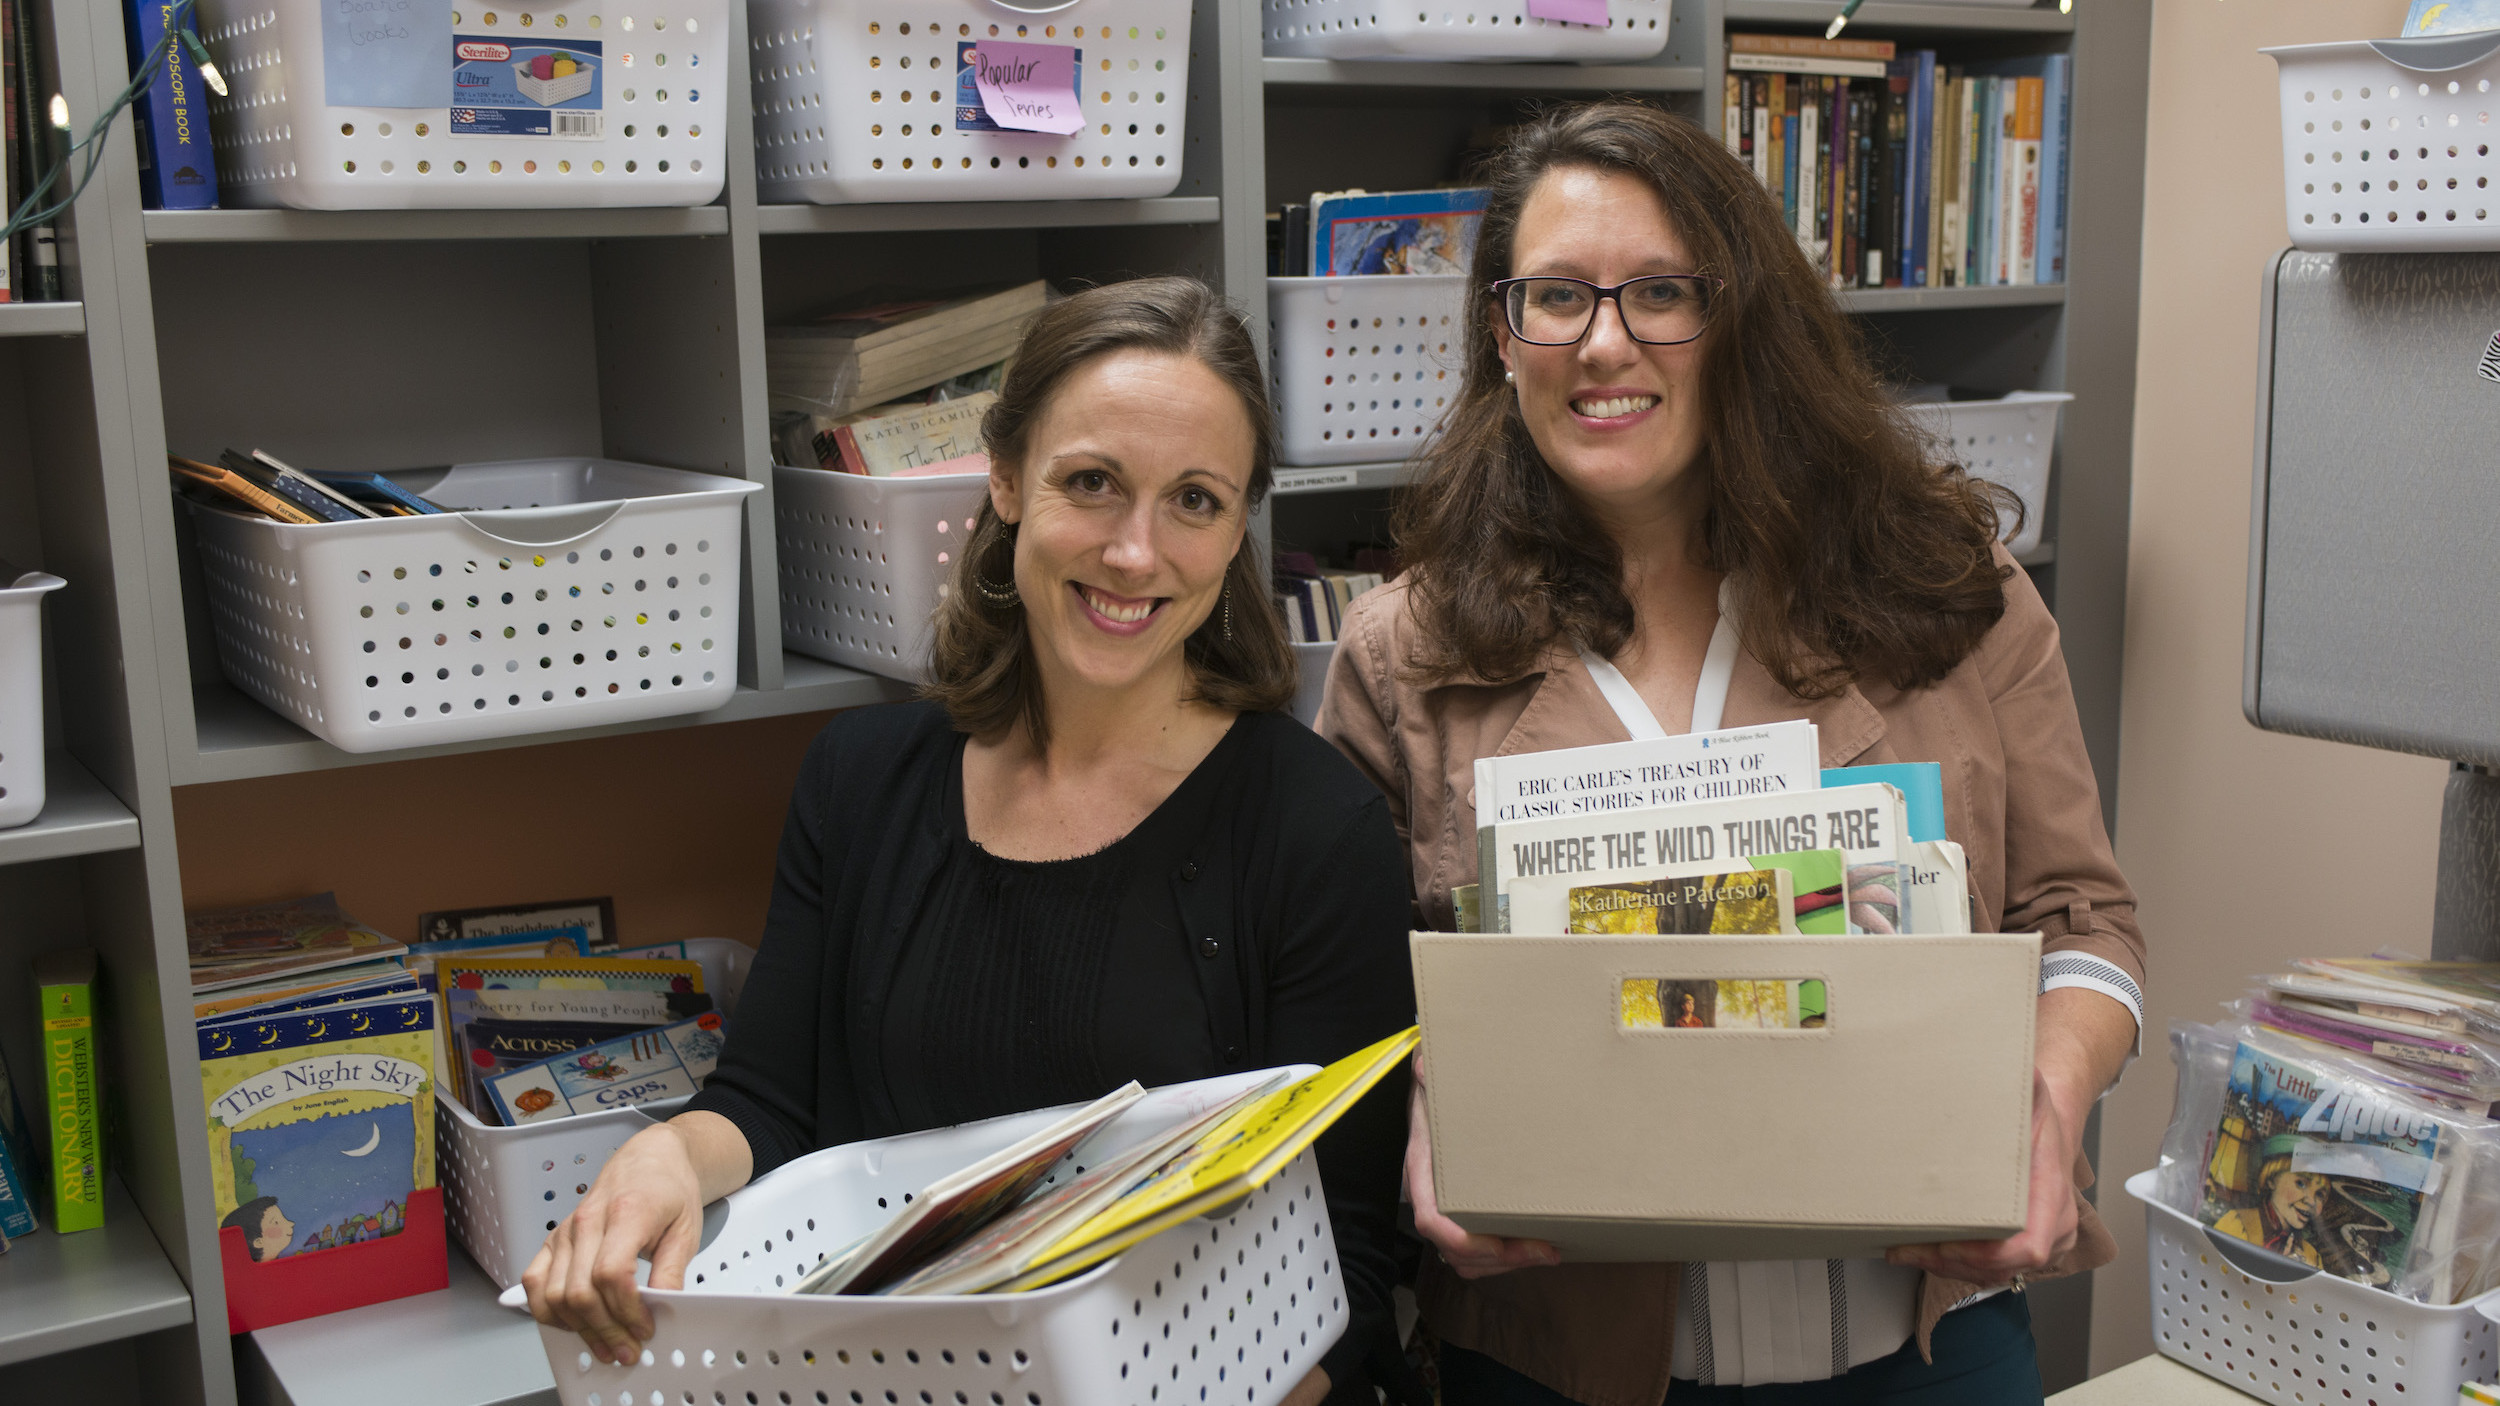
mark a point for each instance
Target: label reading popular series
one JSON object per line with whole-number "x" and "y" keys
{"x": 1004, "y": 86}
{"x": 503, "y": 89}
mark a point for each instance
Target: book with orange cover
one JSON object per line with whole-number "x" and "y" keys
{"x": 216, "y": 478}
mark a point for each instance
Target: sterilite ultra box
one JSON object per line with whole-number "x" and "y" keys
{"x": 349, "y": 106}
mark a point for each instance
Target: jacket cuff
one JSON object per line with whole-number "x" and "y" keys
{"x": 768, "y": 1144}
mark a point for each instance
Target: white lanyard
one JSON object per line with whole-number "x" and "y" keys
{"x": 1718, "y": 665}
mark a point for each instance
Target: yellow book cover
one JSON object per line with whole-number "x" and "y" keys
{"x": 1235, "y": 1158}
{"x": 320, "y": 1122}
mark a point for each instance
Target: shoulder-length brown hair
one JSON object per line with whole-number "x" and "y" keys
{"x": 1852, "y": 552}
{"x": 981, "y": 667}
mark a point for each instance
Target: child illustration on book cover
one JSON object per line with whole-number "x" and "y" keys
{"x": 2317, "y": 1169}
{"x": 1443, "y": 244}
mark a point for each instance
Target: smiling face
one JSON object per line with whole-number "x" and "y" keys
{"x": 2297, "y": 1198}
{"x": 276, "y": 1233}
{"x": 1130, "y": 501}
{"x": 1619, "y": 421}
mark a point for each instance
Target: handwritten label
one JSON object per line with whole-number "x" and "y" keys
{"x": 385, "y": 53}
{"x": 1312, "y": 480}
{"x": 1589, "y": 12}
{"x": 1025, "y": 87}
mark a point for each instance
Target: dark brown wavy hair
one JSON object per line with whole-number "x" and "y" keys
{"x": 981, "y": 666}
{"x": 1854, "y": 553}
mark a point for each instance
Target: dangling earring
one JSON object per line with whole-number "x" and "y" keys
{"x": 1228, "y": 612}
{"x": 1004, "y": 597}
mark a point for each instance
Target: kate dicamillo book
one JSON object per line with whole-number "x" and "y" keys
{"x": 73, "y": 1099}
{"x": 321, "y": 1157}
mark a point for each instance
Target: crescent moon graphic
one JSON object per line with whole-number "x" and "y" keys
{"x": 360, "y": 1023}
{"x": 370, "y": 1143}
{"x": 268, "y": 1035}
{"x": 222, "y": 1041}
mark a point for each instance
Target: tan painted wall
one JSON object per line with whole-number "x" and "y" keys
{"x": 2217, "y": 821}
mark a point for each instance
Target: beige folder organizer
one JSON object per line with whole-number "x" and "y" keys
{"x": 1565, "y": 1110}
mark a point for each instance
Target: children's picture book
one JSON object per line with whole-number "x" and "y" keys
{"x": 1739, "y": 1003}
{"x": 1421, "y": 231}
{"x": 2474, "y": 985}
{"x": 596, "y": 917}
{"x": 236, "y": 946}
{"x": 570, "y": 941}
{"x": 321, "y": 1142}
{"x": 20, "y": 1187}
{"x": 73, "y": 1090}
{"x": 671, "y": 1061}
{"x": 1921, "y": 785}
{"x": 373, "y": 978}
{"x": 2322, "y": 1170}
{"x": 462, "y": 979}
{"x": 2450, "y": 17}
{"x": 1744, "y": 901}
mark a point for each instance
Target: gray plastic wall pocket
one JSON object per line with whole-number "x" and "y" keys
{"x": 2253, "y": 641}
{"x": 2262, "y": 1265}
{"x": 2439, "y": 53}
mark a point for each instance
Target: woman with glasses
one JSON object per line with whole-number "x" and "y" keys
{"x": 1673, "y": 496}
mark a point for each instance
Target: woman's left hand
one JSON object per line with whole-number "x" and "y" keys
{"x": 1311, "y": 1390}
{"x": 2082, "y": 1042}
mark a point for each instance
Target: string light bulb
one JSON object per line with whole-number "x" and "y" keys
{"x": 59, "y": 112}
{"x": 217, "y": 81}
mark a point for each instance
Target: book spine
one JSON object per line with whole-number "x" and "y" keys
{"x": 1731, "y": 124}
{"x": 1896, "y": 173}
{"x": 846, "y": 448}
{"x": 177, "y": 169}
{"x": 1762, "y": 168}
{"x": 19, "y": 1186}
{"x": 2009, "y": 181}
{"x": 19, "y": 162}
{"x": 2027, "y": 162}
{"x": 1938, "y": 89}
{"x": 1922, "y": 119}
{"x": 1809, "y": 173}
{"x": 1783, "y": 147}
{"x": 2055, "y": 108}
{"x": 1859, "y": 100}
{"x": 73, "y": 1112}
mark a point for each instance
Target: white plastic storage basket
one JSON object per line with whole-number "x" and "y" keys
{"x": 2388, "y": 143}
{"x": 1364, "y": 366}
{"x": 461, "y": 121}
{"x": 865, "y": 561}
{"x": 21, "y": 696}
{"x": 505, "y": 1188}
{"x": 2246, "y": 1319}
{"x": 565, "y": 593}
{"x": 1232, "y": 1309}
{"x": 2007, "y": 441}
{"x": 1458, "y": 29}
{"x": 861, "y": 100}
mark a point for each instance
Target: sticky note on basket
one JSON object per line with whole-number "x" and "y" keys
{"x": 385, "y": 53}
{"x": 1569, "y": 11}
{"x": 1025, "y": 87}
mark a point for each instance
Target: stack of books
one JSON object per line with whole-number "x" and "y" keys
{"x": 2344, "y": 1121}
{"x": 1897, "y": 171}
{"x": 1314, "y": 603}
{"x": 1376, "y": 232}
{"x": 867, "y": 354}
{"x": 263, "y": 484}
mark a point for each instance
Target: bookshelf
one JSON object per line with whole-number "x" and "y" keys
{"x": 332, "y": 332}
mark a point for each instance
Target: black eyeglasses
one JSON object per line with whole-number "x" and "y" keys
{"x": 1661, "y": 310}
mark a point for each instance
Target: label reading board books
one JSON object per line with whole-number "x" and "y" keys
{"x": 2322, "y": 1170}
{"x": 1726, "y": 1003}
{"x": 503, "y": 89}
{"x": 321, "y": 1143}
{"x": 1003, "y": 86}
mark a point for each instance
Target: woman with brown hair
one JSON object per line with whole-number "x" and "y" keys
{"x": 1095, "y": 852}
{"x": 1672, "y": 496}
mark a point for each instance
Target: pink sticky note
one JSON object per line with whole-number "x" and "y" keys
{"x": 1569, "y": 11}
{"x": 1030, "y": 87}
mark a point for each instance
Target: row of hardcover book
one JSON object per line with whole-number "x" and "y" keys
{"x": 1895, "y": 170}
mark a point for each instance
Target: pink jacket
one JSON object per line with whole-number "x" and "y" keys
{"x": 2019, "y": 795}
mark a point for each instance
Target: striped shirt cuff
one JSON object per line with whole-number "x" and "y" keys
{"x": 2081, "y": 969}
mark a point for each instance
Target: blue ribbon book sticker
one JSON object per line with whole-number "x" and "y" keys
{"x": 384, "y": 53}
{"x": 1004, "y": 86}
{"x": 505, "y": 89}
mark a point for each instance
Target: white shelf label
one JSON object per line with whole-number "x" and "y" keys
{"x": 1311, "y": 480}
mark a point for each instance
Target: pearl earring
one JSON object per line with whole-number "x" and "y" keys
{"x": 1509, "y": 380}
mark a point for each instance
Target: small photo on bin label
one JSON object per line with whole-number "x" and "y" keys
{"x": 503, "y": 89}
{"x": 1724, "y": 1003}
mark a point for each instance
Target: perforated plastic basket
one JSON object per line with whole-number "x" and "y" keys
{"x": 2250, "y": 1320}
{"x": 2388, "y": 143}
{"x": 859, "y": 100}
{"x": 644, "y": 128}
{"x": 2008, "y": 441}
{"x": 505, "y": 1188}
{"x": 566, "y": 593}
{"x": 1364, "y": 366}
{"x": 865, "y": 561}
{"x": 1231, "y": 1309}
{"x": 21, "y": 696}
{"x": 1458, "y": 29}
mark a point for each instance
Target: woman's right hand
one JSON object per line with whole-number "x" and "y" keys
{"x": 1473, "y": 1256}
{"x": 647, "y": 1203}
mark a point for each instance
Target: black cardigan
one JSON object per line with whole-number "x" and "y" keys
{"x": 1294, "y": 897}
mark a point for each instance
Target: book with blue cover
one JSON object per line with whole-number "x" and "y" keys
{"x": 18, "y": 1187}
{"x": 1416, "y": 231}
{"x": 177, "y": 168}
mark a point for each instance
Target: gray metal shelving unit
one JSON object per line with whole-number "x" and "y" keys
{"x": 341, "y": 336}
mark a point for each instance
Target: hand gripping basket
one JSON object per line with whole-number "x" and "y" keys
{"x": 21, "y": 696}
{"x": 505, "y": 1188}
{"x": 2283, "y": 1332}
{"x": 2388, "y": 144}
{"x": 1230, "y": 1309}
{"x": 565, "y": 593}
{"x": 860, "y": 100}
{"x": 2007, "y": 441}
{"x": 646, "y": 107}
{"x": 1457, "y": 29}
{"x": 1364, "y": 365}
{"x": 865, "y": 561}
